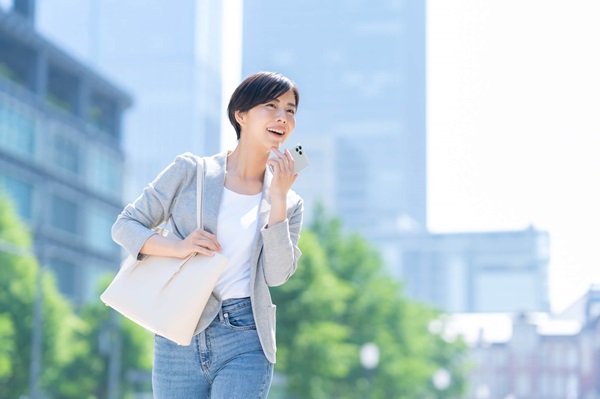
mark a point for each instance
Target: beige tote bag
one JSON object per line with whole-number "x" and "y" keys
{"x": 167, "y": 295}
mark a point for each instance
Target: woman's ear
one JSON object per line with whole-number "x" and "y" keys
{"x": 240, "y": 117}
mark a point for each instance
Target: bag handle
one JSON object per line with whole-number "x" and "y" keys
{"x": 199, "y": 191}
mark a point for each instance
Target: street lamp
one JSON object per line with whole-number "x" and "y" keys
{"x": 109, "y": 344}
{"x": 441, "y": 379}
{"x": 369, "y": 356}
{"x": 482, "y": 392}
{"x": 369, "y": 359}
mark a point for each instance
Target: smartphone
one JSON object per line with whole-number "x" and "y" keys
{"x": 300, "y": 158}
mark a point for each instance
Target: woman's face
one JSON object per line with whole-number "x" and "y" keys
{"x": 269, "y": 124}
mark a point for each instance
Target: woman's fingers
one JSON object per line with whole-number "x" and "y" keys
{"x": 210, "y": 237}
{"x": 290, "y": 159}
{"x": 204, "y": 251}
{"x": 282, "y": 162}
{"x": 203, "y": 242}
{"x": 275, "y": 164}
{"x": 206, "y": 244}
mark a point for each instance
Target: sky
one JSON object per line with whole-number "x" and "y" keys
{"x": 513, "y": 115}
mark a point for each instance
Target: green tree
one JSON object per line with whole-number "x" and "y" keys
{"x": 341, "y": 298}
{"x": 7, "y": 349}
{"x": 88, "y": 371}
{"x": 18, "y": 274}
{"x": 74, "y": 364}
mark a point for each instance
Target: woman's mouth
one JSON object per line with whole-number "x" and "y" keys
{"x": 276, "y": 131}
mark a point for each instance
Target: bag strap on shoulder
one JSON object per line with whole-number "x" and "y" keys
{"x": 199, "y": 190}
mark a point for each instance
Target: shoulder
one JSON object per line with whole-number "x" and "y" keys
{"x": 189, "y": 161}
{"x": 186, "y": 160}
{"x": 181, "y": 167}
{"x": 214, "y": 165}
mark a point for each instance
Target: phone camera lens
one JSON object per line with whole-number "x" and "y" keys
{"x": 300, "y": 152}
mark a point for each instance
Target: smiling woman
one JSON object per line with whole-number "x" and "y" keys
{"x": 276, "y": 117}
{"x": 251, "y": 216}
{"x": 264, "y": 89}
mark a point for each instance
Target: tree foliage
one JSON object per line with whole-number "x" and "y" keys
{"x": 88, "y": 370}
{"x": 341, "y": 298}
{"x": 72, "y": 364}
{"x": 18, "y": 283}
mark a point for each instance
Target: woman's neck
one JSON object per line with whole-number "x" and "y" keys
{"x": 246, "y": 169}
{"x": 246, "y": 162}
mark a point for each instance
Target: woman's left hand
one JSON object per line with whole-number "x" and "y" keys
{"x": 283, "y": 174}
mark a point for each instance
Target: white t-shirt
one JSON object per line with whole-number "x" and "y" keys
{"x": 236, "y": 229}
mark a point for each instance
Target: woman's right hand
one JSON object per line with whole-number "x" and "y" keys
{"x": 199, "y": 241}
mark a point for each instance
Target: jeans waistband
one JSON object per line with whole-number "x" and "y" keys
{"x": 235, "y": 303}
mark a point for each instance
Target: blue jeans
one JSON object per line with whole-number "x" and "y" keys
{"x": 225, "y": 361}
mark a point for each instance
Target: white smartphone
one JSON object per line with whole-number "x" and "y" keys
{"x": 300, "y": 158}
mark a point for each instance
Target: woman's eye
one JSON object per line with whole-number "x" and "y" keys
{"x": 291, "y": 111}
{"x": 271, "y": 105}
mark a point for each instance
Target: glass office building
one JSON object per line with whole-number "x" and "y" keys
{"x": 496, "y": 271}
{"x": 61, "y": 161}
{"x": 167, "y": 55}
{"x": 360, "y": 67}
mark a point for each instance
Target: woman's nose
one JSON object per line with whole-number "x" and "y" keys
{"x": 281, "y": 116}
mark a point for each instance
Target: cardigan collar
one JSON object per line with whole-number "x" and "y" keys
{"x": 214, "y": 183}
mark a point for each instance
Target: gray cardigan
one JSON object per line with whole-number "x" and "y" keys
{"x": 173, "y": 193}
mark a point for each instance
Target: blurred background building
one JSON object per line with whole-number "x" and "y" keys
{"x": 473, "y": 272}
{"x": 534, "y": 355}
{"x": 167, "y": 55}
{"x": 360, "y": 67}
{"x": 61, "y": 160}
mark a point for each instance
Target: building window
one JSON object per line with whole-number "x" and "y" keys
{"x": 543, "y": 355}
{"x": 65, "y": 215}
{"x": 102, "y": 113}
{"x": 105, "y": 172}
{"x": 572, "y": 357}
{"x": 65, "y": 276}
{"x": 99, "y": 230}
{"x": 62, "y": 90}
{"x": 17, "y": 129}
{"x": 587, "y": 357}
{"x": 544, "y": 385}
{"x": 94, "y": 275}
{"x": 65, "y": 153}
{"x": 522, "y": 385}
{"x": 557, "y": 356}
{"x": 17, "y": 62}
{"x": 572, "y": 387}
{"x": 20, "y": 192}
{"x": 501, "y": 359}
{"x": 558, "y": 387}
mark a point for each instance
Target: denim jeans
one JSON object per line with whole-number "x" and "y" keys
{"x": 225, "y": 361}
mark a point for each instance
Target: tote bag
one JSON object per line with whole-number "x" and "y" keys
{"x": 167, "y": 295}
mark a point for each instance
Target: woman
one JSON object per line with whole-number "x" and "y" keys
{"x": 251, "y": 216}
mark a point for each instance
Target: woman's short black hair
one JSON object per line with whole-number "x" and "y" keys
{"x": 256, "y": 89}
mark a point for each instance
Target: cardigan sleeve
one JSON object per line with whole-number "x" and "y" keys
{"x": 135, "y": 224}
{"x": 280, "y": 247}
